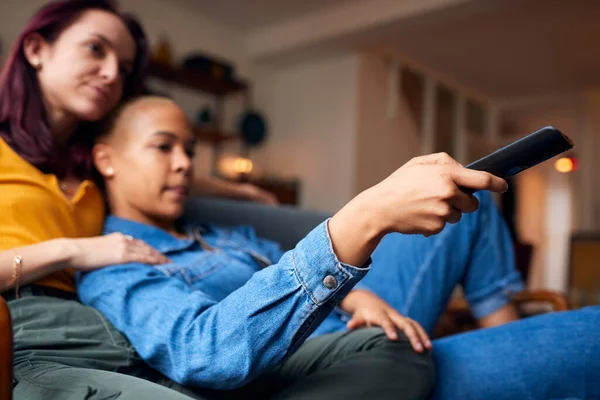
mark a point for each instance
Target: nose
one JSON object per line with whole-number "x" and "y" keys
{"x": 110, "y": 69}
{"x": 182, "y": 161}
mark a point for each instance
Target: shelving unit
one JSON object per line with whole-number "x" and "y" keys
{"x": 287, "y": 191}
{"x": 195, "y": 80}
{"x": 214, "y": 136}
{"x": 204, "y": 83}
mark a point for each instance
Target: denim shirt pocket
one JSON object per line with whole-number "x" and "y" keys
{"x": 195, "y": 268}
{"x": 168, "y": 269}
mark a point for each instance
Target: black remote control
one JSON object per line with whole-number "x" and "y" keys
{"x": 524, "y": 153}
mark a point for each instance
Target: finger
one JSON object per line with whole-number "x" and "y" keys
{"x": 156, "y": 255}
{"x": 465, "y": 202}
{"x": 141, "y": 252}
{"x": 153, "y": 256}
{"x": 454, "y": 216}
{"x": 388, "y": 327}
{"x": 421, "y": 332}
{"x": 157, "y": 259}
{"x": 477, "y": 180}
{"x": 270, "y": 199}
{"x": 408, "y": 330}
{"x": 355, "y": 322}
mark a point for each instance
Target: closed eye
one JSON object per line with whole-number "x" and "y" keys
{"x": 190, "y": 152}
{"x": 96, "y": 49}
{"x": 125, "y": 72}
{"x": 164, "y": 148}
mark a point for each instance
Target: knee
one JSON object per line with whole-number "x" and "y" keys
{"x": 396, "y": 367}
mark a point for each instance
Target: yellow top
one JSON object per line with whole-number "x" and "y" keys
{"x": 33, "y": 209}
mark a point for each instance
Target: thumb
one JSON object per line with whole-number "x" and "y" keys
{"x": 433, "y": 159}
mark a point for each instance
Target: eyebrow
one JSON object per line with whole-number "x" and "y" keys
{"x": 171, "y": 135}
{"x": 107, "y": 41}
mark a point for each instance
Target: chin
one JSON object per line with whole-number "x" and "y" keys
{"x": 91, "y": 111}
{"x": 173, "y": 212}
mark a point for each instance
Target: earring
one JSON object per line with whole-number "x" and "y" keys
{"x": 37, "y": 64}
{"x": 110, "y": 171}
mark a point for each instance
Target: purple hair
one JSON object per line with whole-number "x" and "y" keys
{"x": 23, "y": 121}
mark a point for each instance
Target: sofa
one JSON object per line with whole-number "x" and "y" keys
{"x": 284, "y": 224}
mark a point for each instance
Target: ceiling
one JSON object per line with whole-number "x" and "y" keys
{"x": 501, "y": 48}
{"x": 513, "y": 48}
{"x": 248, "y": 15}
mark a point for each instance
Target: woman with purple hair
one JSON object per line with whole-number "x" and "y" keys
{"x": 76, "y": 61}
{"x": 73, "y": 63}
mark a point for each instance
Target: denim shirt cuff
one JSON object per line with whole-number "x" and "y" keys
{"x": 319, "y": 270}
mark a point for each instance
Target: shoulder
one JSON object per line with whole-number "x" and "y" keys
{"x": 3, "y": 147}
{"x": 10, "y": 160}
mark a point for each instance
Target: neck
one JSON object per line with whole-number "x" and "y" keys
{"x": 62, "y": 123}
{"x": 126, "y": 212}
{"x": 167, "y": 226}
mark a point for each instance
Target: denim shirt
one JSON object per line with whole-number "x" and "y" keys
{"x": 216, "y": 317}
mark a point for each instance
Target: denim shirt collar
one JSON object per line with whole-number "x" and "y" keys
{"x": 155, "y": 237}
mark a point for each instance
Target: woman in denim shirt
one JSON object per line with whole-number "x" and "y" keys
{"x": 214, "y": 317}
{"x": 219, "y": 317}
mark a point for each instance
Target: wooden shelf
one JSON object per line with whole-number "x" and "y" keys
{"x": 287, "y": 191}
{"x": 215, "y": 136}
{"x": 195, "y": 80}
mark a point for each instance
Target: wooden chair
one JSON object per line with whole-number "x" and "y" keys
{"x": 584, "y": 269}
{"x": 458, "y": 317}
{"x": 6, "y": 352}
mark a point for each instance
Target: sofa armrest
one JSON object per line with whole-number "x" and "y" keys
{"x": 557, "y": 300}
{"x": 6, "y": 352}
{"x": 285, "y": 225}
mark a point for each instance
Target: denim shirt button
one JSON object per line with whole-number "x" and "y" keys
{"x": 330, "y": 282}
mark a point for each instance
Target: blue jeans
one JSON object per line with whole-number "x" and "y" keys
{"x": 548, "y": 357}
{"x": 552, "y": 356}
{"x": 417, "y": 275}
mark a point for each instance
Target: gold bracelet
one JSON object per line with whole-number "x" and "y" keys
{"x": 17, "y": 273}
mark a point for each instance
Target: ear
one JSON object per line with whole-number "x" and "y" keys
{"x": 103, "y": 160}
{"x": 33, "y": 48}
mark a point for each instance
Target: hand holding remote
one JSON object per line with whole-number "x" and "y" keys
{"x": 420, "y": 197}
{"x": 523, "y": 154}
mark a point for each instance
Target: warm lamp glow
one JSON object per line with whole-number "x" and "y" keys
{"x": 566, "y": 164}
{"x": 233, "y": 166}
{"x": 242, "y": 165}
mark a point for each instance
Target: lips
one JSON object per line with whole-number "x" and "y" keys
{"x": 179, "y": 190}
{"x": 100, "y": 91}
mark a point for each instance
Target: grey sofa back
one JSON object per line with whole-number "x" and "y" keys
{"x": 283, "y": 224}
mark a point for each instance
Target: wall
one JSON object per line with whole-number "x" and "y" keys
{"x": 588, "y": 148}
{"x": 546, "y": 215}
{"x": 187, "y": 29}
{"x": 385, "y": 140}
{"x": 312, "y": 111}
